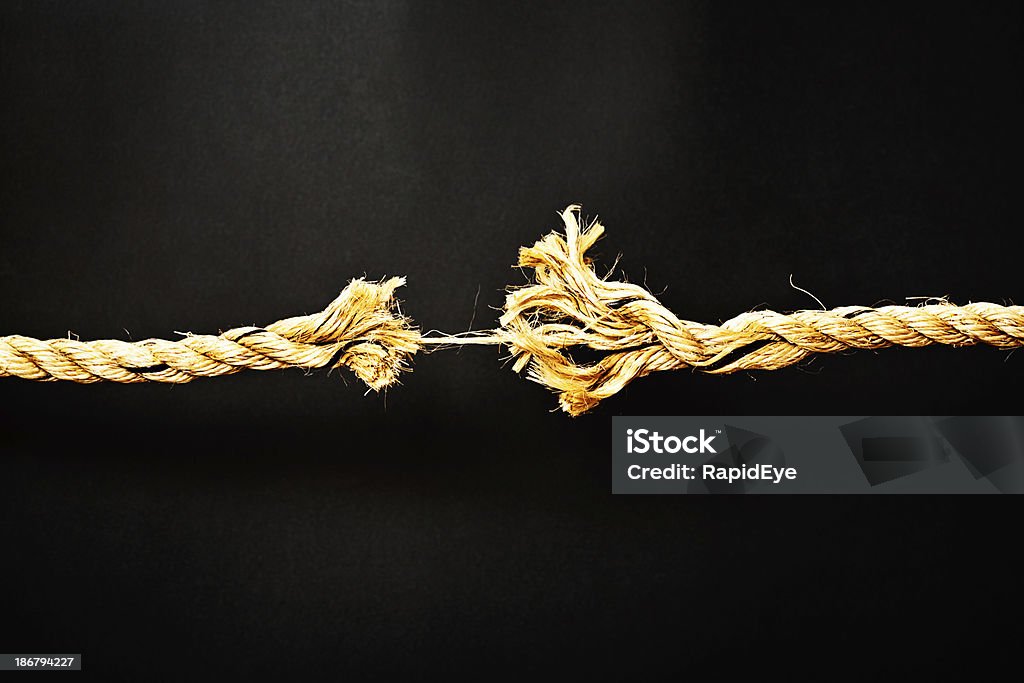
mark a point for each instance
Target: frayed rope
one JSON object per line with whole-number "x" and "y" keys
{"x": 567, "y": 307}
{"x": 361, "y": 330}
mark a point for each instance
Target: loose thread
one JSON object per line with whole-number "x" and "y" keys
{"x": 488, "y": 339}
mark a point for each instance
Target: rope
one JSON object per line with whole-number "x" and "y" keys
{"x": 361, "y": 329}
{"x": 568, "y": 307}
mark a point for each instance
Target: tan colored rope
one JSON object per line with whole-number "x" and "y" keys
{"x": 361, "y": 329}
{"x": 567, "y": 307}
{"x": 570, "y": 306}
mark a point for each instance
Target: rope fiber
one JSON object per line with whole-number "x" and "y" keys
{"x": 567, "y": 307}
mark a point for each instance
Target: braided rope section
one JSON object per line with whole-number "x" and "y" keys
{"x": 361, "y": 329}
{"x": 570, "y": 306}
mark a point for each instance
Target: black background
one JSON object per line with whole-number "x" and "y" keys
{"x": 177, "y": 166}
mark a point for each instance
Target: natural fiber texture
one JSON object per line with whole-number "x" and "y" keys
{"x": 570, "y": 306}
{"x": 361, "y": 329}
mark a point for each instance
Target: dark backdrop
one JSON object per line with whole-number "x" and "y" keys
{"x": 177, "y": 166}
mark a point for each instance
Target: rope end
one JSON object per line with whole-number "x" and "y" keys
{"x": 568, "y": 306}
{"x": 372, "y": 337}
